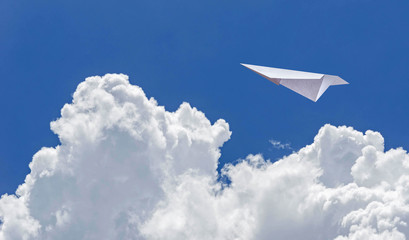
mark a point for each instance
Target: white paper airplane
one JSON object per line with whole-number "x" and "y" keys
{"x": 310, "y": 85}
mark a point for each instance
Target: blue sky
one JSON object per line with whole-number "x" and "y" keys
{"x": 190, "y": 51}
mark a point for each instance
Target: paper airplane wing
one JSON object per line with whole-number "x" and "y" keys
{"x": 309, "y": 85}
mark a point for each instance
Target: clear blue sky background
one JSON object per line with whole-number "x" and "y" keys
{"x": 186, "y": 50}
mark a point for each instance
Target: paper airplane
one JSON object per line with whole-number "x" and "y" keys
{"x": 310, "y": 85}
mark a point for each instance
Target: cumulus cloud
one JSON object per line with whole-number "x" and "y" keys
{"x": 128, "y": 169}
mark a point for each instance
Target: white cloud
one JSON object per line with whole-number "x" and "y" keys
{"x": 128, "y": 169}
{"x": 279, "y": 145}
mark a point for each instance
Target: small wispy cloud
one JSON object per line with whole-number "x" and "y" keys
{"x": 279, "y": 145}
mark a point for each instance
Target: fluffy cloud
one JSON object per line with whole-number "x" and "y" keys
{"x": 128, "y": 169}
